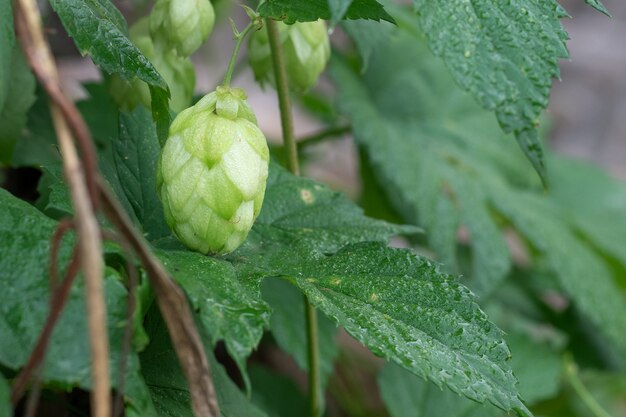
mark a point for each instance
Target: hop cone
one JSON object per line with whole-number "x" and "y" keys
{"x": 178, "y": 72}
{"x": 306, "y": 49}
{"x": 212, "y": 172}
{"x": 183, "y": 25}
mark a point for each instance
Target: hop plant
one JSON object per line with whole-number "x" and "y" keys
{"x": 306, "y": 50}
{"x": 212, "y": 172}
{"x": 182, "y": 25}
{"x": 178, "y": 72}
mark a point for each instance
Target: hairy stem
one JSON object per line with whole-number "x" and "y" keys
{"x": 282, "y": 88}
{"x": 239, "y": 37}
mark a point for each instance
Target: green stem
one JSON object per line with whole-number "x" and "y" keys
{"x": 239, "y": 37}
{"x": 584, "y": 394}
{"x": 284, "y": 101}
{"x": 330, "y": 133}
{"x": 282, "y": 88}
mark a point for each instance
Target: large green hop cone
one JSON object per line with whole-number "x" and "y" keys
{"x": 212, "y": 172}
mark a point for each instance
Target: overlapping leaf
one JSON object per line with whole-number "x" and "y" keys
{"x": 403, "y": 309}
{"x": 292, "y": 11}
{"x": 167, "y": 383}
{"x": 5, "y": 403}
{"x": 99, "y": 30}
{"x": 444, "y": 163}
{"x": 536, "y": 365}
{"x": 17, "y": 85}
{"x": 288, "y": 326}
{"x": 25, "y": 235}
{"x": 505, "y": 54}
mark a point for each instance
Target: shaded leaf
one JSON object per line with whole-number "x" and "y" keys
{"x": 569, "y": 259}
{"x": 25, "y": 235}
{"x": 276, "y": 394}
{"x": 429, "y": 145}
{"x": 338, "y": 9}
{"x": 136, "y": 154}
{"x": 7, "y": 43}
{"x": 228, "y": 308}
{"x": 5, "y": 394}
{"x": 168, "y": 385}
{"x": 288, "y": 326}
{"x": 292, "y": 11}
{"x": 18, "y": 98}
{"x": 505, "y": 54}
{"x": 406, "y": 395}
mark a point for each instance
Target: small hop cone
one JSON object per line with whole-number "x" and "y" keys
{"x": 183, "y": 25}
{"x": 213, "y": 171}
{"x": 306, "y": 49}
{"x": 178, "y": 72}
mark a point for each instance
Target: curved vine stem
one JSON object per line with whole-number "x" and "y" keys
{"x": 571, "y": 372}
{"x": 284, "y": 102}
{"x": 239, "y": 37}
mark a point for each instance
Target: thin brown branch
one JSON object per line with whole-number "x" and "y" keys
{"x": 64, "y": 226}
{"x": 90, "y": 249}
{"x": 175, "y": 310}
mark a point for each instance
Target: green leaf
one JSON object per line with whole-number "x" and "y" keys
{"x": 288, "y": 327}
{"x": 229, "y": 309}
{"x": 594, "y": 202}
{"x": 402, "y": 308}
{"x": 536, "y": 365}
{"x": 276, "y": 394}
{"x": 18, "y": 98}
{"x": 7, "y": 43}
{"x": 136, "y": 154}
{"x": 25, "y": 235}
{"x": 338, "y": 9}
{"x": 406, "y": 395}
{"x": 5, "y": 394}
{"x": 598, "y": 6}
{"x": 505, "y": 54}
{"x": 168, "y": 385}
{"x": 99, "y": 31}
{"x": 37, "y": 146}
{"x": 430, "y": 145}
{"x": 292, "y": 11}
{"x": 301, "y": 209}
{"x": 569, "y": 258}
